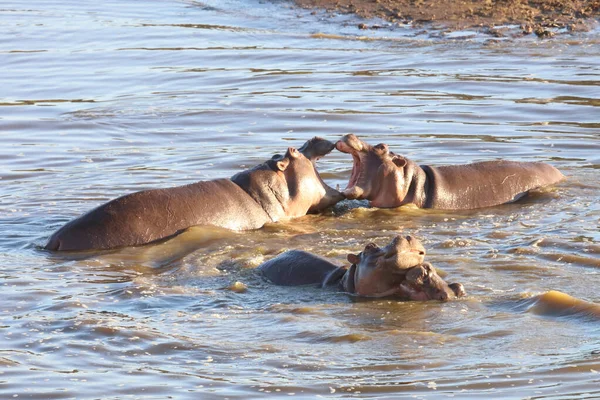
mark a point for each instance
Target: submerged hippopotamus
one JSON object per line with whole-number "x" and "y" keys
{"x": 395, "y": 270}
{"x": 390, "y": 180}
{"x": 284, "y": 187}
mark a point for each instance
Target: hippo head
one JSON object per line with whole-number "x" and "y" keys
{"x": 288, "y": 186}
{"x": 316, "y": 148}
{"x": 423, "y": 283}
{"x": 379, "y": 272}
{"x": 378, "y": 175}
{"x": 313, "y": 150}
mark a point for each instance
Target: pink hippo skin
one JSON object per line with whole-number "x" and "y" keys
{"x": 390, "y": 180}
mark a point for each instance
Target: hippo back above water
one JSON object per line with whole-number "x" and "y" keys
{"x": 389, "y": 180}
{"x": 286, "y": 186}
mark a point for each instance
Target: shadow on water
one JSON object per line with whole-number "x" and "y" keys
{"x": 154, "y": 258}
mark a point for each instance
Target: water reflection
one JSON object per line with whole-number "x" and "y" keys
{"x": 126, "y": 97}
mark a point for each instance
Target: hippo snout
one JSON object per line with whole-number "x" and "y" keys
{"x": 424, "y": 278}
{"x": 405, "y": 244}
{"x": 415, "y": 245}
{"x": 350, "y": 142}
{"x": 443, "y": 296}
{"x": 316, "y": 148}
{"x": 458, "y": 289}
{"x": 402, "y": 253}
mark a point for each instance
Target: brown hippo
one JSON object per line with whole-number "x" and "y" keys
{"x": 389, "y": 180}
{"x": 283, "y": 187}
{"x": 395, "y": 270}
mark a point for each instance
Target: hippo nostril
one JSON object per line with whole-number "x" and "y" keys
{"x": 371, "y": 247}
{"x": 396, "y": 241}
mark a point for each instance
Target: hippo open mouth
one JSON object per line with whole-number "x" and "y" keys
{"x": 314, "y": 149}
{"x": 356, "y": 172}
{"x": 350, "y": 144}
{"x": 389, "y": 180}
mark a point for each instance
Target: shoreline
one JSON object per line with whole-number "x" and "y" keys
{"x": 544, "y": 18}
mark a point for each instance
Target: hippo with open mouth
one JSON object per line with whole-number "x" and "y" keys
{"x": 389, "y": 180}
{"x": 286, "y": 186}
{"x": 394, "y": 270}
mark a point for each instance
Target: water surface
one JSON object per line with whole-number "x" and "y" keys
{"x": 99, "y": 100}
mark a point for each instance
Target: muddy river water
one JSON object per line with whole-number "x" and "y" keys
{"x": 99, "y": 100}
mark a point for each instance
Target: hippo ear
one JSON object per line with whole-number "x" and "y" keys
{"x": 416, "y": 274}
{"x": 399, "y": 161}
{"x": 292, "y": 152}
{"x": 353, "y": 258}
{"x": 282, "y": 164}
{"x": 458, "y": 289}
{"x": 429, "y": 269}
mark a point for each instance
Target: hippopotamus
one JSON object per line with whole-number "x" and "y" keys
{"x": 395, "y": 270}
{"x": 286, "y": 186}
{"x": 388, "y": 180}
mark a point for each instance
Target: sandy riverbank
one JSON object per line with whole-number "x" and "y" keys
{"x": 541, "y": 17}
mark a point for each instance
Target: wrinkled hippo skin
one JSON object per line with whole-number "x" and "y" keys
{"x": 286, "y": 186}
{"x": 395, "y": 270}
{"x": 390, "y": 180}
